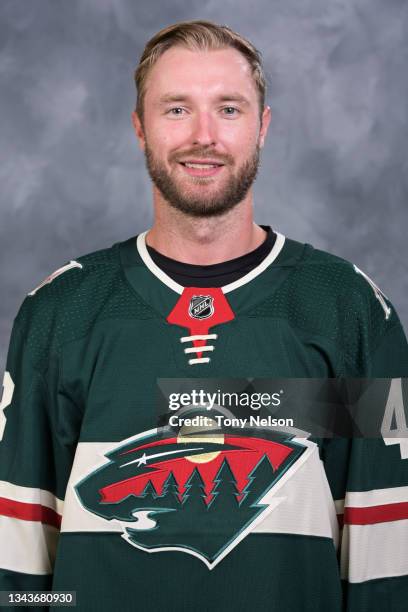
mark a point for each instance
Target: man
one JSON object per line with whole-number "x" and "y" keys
{"x": 101, "y": 497}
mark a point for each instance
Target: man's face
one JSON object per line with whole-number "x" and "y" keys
{"x": 202, "y": 108}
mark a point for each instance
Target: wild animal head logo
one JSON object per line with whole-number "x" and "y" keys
{"x": 200, "y": 494}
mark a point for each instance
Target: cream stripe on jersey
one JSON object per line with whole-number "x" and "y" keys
{"x": 376, "y": 497}
{"x": 28, "y": 547}
{"x": 29, "y": 495}
{"x": 369, "y": 552}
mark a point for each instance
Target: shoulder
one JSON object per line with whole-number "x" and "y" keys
{"x": 339, "y": 283}
{"x": 331, "y": 296}
{"x": 82, "y": 276}
{"x": 66, "y": 302}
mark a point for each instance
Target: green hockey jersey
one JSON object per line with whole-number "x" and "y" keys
{"x": 97, "y": 498}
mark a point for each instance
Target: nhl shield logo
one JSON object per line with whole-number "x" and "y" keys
{"x": 201, "y": 306}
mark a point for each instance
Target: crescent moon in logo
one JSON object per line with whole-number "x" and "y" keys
{"x": 189, "y": 434}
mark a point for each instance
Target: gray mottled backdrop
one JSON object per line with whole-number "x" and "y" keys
{"x": 334, "y": 170}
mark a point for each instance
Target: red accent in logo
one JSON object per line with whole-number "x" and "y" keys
{"x": 242, "y": 462}
{"x": 180, "y": 313}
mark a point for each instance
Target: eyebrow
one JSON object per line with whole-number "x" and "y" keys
{"x": 175, "y": 97}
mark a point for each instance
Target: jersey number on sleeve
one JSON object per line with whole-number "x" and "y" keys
{"x": 395, "y": 408}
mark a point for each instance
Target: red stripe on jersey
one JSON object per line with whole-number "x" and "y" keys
{"x": 376, "y": 514}
{"x": 29, "y": 512}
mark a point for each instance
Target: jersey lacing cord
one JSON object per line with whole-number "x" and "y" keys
{"x": 199, "y": 349}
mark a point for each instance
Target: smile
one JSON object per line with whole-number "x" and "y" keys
{"x": 194, "y": 169}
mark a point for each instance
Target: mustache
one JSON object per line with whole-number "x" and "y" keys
{"x": 200, "y": 154}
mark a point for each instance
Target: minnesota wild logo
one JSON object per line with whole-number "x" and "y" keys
{"x": 198, "y": 493}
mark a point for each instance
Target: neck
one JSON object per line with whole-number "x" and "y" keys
{"x": 204, "y": 241}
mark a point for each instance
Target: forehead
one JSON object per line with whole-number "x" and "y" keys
{"x": 200, "y": 72}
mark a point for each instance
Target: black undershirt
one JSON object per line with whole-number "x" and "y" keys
{"x": 214, "y": 275}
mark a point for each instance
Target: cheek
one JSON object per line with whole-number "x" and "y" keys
{"x": 239, "y": 136}
{"x": 172, "y": 136}
{"x": 240, "y": 145}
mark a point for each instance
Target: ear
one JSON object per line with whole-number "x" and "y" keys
{"x": 137, "y": 124}
{"x": 266, "y": 119}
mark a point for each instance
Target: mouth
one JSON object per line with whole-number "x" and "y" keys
{"x": 202, "y": 168}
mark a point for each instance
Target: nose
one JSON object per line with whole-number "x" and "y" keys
{"x": 204, "y": 129}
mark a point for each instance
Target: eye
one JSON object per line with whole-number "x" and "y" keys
{"x": 175, "y": 108}
{"x": 232, "y": 108}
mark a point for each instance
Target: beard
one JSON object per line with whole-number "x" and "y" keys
{"x": 207, "y": 202}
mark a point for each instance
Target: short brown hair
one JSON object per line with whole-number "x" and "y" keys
{"x": 197, "y": 35}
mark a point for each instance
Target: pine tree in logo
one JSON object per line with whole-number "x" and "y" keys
{"x": 263, "y": 475}
{"x": 225, "y": 491}
{"x": 149, "y": 490}
{"x": 171, "y": 492}
{"x": 195, "y": 495}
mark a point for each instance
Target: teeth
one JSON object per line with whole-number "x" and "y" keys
{"x": 200, "y": 165}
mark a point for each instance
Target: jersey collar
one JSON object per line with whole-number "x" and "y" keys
{"x": 172, "y": 284}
